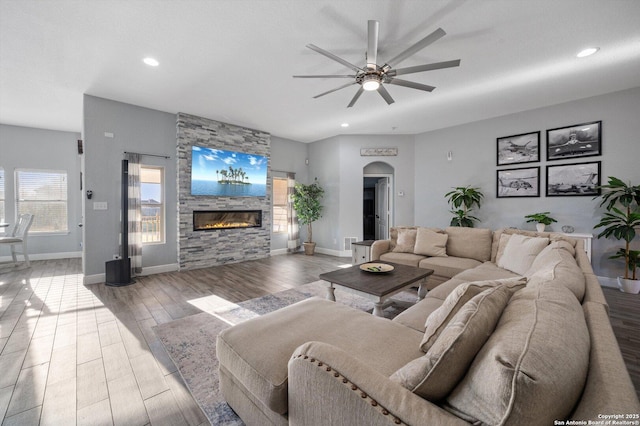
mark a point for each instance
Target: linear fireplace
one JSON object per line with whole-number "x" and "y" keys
{"x": 211, "y": 220}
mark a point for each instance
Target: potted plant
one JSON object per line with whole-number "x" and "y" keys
{"x": 306, "y": 203}
{"x": 621, "y": 220}
{"x": 541, "y": 219}
{"x": 462, "y": 199}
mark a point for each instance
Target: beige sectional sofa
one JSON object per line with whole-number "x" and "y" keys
{"x": 517, "y": 332}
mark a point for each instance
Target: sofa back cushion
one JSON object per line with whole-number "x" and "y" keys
{"x": 393, "y": 234}
{"x": 499, "y": 233}
{"x": 533, "y": 367}
{"x": 520, "y": 252}
{"x": 435, "y": 374}
{"x": 440, "y": 318}
{"x": 556, "y": 265}
{"x": 431, "y": 243}
{"x": 473, "y": 243}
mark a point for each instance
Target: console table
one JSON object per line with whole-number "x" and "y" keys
{"x": 361, "y": 252}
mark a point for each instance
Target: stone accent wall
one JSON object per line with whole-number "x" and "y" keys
{"x": 200, "y": 249}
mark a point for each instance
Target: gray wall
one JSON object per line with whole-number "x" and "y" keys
{"x": 474, "y": 163}
{"x": 23, "y": 147}
{"x": 337, "y": 164}
{"x": 287, "y": 156}
{"x": 135, "y": 129}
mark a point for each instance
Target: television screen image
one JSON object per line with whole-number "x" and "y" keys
{"x": 221, "y": 173}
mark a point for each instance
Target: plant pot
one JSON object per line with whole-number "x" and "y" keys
{"x": 629, "y": 285}
{"x": 309, "y": 248}
{"x": 540, "y": 227}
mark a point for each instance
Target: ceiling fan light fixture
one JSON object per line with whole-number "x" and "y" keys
{"x": 371, "y": 82}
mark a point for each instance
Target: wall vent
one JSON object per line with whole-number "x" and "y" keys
{"x": 348, "y": 241}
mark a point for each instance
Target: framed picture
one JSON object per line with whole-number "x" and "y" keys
{"x": 524, "y": 148}
{"x": 573, "y": 179}
{"x": 577, "y": 140}
{"x": 524, "y": 182}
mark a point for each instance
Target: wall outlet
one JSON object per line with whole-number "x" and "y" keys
{"x": 116, "y": 257}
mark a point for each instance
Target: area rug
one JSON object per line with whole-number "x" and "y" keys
{"x": 191, "y": 341}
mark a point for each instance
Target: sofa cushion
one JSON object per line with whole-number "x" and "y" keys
{"x": 416, "y": 316}
{"x": 440, "y": 318}
{"x": 430, "y": 243}
{"x": 435, "y": 374}
{"x": 486, "y": 271}
{"x": 406, "y": 241}
{"x": 533, "y": 367}
{"x": 520, "y": 252}
{"x": 256, "y": 352}
{"x": 402, "y": 258}
{"x": 393, "y": 234}
{"x": 559, "y": 267}
{"x": 472, "y": 243}
{"x": 497, "y": 235}
{"x": 448, "y": 266}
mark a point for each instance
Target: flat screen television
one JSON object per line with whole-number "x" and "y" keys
{"x": 222, "y": 173}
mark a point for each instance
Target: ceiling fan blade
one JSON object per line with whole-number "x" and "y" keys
{"x": 332, "y": 56}
{"x": 431, "y": 38}
{"x": 410, "y": 84}
{"x": 355, "y": 97}
{"x": 334, "y": 90}
{"x": 387, "y": 97}
{"x": 324, "y": 76}
{"x": 427, "y": 67}
{"x": 372, "y": 44}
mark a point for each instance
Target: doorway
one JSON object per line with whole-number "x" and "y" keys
{"x": 377, "y": 206}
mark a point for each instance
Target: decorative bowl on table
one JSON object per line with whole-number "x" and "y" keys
{"x": 376, "y": 267}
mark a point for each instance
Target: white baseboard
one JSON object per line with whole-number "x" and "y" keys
{"x": 608, "y": 282}
{"x": 44, "y": 256}
{"x": 278, "y": 252}
{"x": 149, "y": 270}
{"x": 337, "y": 253}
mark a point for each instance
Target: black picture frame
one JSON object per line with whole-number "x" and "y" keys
{"x": 520, "y": 182}
{"x": 575, "y": 141}
{"x": 517, "y": 149}
{"x": 574, "y": 180}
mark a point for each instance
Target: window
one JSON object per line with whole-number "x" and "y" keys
{"x": 280, "y": 209}
{"x": 152, "y": 204}
{"x": 43, "y": 193}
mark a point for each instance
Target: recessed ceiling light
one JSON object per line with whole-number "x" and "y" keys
{"x": 587, "y": 52}
{"x": 151, "y": 62}
{"x": 344, "y": 125}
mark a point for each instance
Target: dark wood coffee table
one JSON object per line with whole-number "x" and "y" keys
{"x": 376, "y": 286}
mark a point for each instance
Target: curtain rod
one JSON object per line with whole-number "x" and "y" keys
{"x": 148, "y": 155}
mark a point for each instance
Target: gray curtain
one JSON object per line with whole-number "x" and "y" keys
{"x": 293, "y": 242}
{"x": 135, "y": 214}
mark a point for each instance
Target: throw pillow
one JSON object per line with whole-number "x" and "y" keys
{"x": 406, "y": 241}
{"x": 520, "y": 252}
{"x": 533, "y": 367}
{"x": 429, "y": 243}
{"x": 435, "y": 374}
{"x": 438, "y": 320}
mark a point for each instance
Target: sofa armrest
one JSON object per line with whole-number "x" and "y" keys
{"x": 329, "y": 386}
{"x": 379, "y": 247}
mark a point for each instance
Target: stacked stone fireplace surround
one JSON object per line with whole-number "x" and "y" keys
{"x": 201, "y": 249}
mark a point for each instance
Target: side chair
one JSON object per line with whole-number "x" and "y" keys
{"x": 19, "y": 238}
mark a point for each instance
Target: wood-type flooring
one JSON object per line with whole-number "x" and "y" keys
{"x": 87, "y": 355}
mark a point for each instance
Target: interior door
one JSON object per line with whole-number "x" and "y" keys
{"x": 382, "y": 209}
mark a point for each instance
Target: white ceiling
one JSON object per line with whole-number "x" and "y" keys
{"x": 232, "y": 60}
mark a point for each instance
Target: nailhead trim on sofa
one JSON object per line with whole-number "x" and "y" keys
{"x": 382, "y": 410}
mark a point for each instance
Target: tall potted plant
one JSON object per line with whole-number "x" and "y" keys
{"x": 541, "y": 219}
{"x": 462, "y": 199}
{"x": 621, "y": 220}
{"x": 306, "y": 203}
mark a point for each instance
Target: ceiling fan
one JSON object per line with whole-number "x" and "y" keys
{"x": 373, "y": 76}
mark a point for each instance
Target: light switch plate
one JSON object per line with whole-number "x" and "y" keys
{"x": 100, "y": 205}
